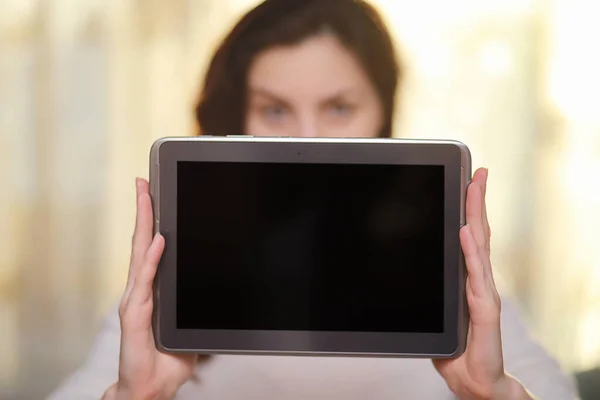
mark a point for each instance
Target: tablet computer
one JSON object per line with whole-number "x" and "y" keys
{"x": 310, "y": 246}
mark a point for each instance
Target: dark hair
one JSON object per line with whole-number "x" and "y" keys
{"x": 222, "y": 106}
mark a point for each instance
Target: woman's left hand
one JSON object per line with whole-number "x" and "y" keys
{"x": 479, "y": 372}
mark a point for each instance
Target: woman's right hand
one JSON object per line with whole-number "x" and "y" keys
{"x": 145, "y": 372}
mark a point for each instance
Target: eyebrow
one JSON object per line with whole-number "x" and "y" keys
{"x": 267, "y": 93}
{"x": 270, "y": 94}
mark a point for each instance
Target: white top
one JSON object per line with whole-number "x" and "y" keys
{"x": 295, "y": 378}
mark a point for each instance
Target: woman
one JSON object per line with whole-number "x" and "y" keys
{"x": 312, "y": 68}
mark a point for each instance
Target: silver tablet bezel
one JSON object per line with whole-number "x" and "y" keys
{"x": 454, "y": 155}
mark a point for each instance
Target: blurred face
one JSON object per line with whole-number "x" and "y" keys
{"x": 314, "y": 89}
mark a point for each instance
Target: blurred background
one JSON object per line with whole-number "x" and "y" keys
{"x": 87, "y": 85}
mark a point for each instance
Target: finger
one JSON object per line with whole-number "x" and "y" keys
{"x": 130, "y": 275}
{"x": 474, "y": 212}
{"x": 481, "y": 177}
{"x": 481, "y": 293}
{"x": 142, "y": 236}
{"x": 142, "y": 288}
{"x": 486, "y": 224}
{"x": 137, "y": 211}
{"x": 475, "y": 267}
{"x": 137, "y": 315}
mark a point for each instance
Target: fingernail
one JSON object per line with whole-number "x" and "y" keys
{"x": 486, "y": 173}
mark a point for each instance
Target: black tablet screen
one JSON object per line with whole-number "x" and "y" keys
{"x": 310, "y": 247}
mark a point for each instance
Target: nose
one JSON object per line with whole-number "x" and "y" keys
{"x": 308, "y": 126}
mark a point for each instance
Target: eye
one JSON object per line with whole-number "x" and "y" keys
{"x": 340, "y": 109}
{"x": 274, "y": 112}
